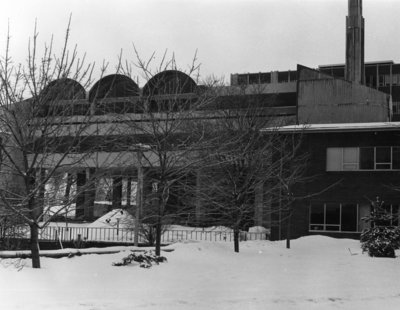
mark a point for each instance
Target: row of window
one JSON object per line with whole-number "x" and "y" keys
{"x": 396, "y": 107}
{"x": 346, "y": 217}
{"x": 363, "y": 158}
{"x": 383, "y": 80}
{"x": 386, "y": 79}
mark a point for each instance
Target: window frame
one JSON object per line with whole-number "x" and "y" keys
{"x": 335, "y": 160}
{"x": 325, "y": 225}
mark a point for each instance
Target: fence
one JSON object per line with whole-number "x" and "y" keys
{"x": 127, "y": 235}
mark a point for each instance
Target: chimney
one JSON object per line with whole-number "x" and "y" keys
{"x": 354, "y": 70}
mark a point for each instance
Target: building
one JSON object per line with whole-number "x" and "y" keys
{"x": 348, "y": 117}
{"x": 346, "y": 114}
{"x": 349, "y": 166}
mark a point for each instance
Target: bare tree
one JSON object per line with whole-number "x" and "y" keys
{"x": 166, "y": 134}
{"x": 42, "y": 137}
{"x": 243, "y": 163}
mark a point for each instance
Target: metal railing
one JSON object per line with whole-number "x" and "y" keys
{"x": 88, "y": 234}
{"x": 127, "y": 235}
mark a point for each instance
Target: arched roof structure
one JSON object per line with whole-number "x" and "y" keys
{"x": 169, "y": 82}
{"x": 63, "y": 89}
{"x": 113, "y": 86}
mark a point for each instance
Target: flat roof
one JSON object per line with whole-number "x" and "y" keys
{"x": 381, "y": 62}
{"x": 337, "y": 127}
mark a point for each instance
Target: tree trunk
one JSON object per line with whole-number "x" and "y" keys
{"x": 35, "y": 246}
{"x": 236, "y": 240}
{"x": 158, "y": 223}
{"x": 158, "y": 236}
{"x": 288, "y": 228}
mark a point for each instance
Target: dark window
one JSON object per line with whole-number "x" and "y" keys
{"x": 317, "y": 213}
{"x": 317, "y": 217}
{"x": 396, "y": 157}
{"x": 334, "y": 217}
{"x": 293, "y": 76}
{"x": 243, "y": 79}
{"x": 333, "y": 213}
{"x": 254, "y": 78}
{"x": 265, "y": 78}
{"x": 367, "y": 158}
{"x": 381, "y": 80}
{"x": 383, "y": 157}
{"x": 283, "y": 77}
{"x": 370, "y": 80}
{"x": 349, "y": 217}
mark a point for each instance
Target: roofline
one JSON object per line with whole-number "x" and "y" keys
{"x": 365, "y": 63}
{"x": 338, "y": 127}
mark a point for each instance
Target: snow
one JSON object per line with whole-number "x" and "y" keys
{"x": 316, "y": 273}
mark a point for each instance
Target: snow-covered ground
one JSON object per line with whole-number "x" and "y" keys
{"x": 317, "y": 273}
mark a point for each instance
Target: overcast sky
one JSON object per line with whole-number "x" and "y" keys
{"x": 231, "y": 36}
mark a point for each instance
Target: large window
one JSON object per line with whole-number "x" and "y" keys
{"x": 348, "y": 217}
{"x": 340, "y": 217}
{"x": 363, "y": 158}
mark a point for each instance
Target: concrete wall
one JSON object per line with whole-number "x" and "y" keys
{"x": 323, "y": 99}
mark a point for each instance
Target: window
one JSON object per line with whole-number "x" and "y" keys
{"x": 370, "y": 80}
{"x": 387, "y": 80}
{"x": 381, "y": 80}
{"x": 367, "y": 155}
{"x": 396, "y": 107}
{"x": 363, "y": 158}
{"x": 383, "y": 158}
{"x": 349, "y": 217}
{"x": 350, "y": 158}
{"x": 283, "y": 77}
{"x": 395, "y": 79}
{"x": 396, "y": 158}
{"x": 334, "y": 159}
{"x": 332, "y": 216}
{"x": 265, "y": 78}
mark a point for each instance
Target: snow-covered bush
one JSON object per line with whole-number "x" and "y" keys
{"x": 382, "y": 238}
{"x": 145, "y": 260}
{"x": 381, "y": 241}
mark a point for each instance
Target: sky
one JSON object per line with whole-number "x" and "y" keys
{"x": 230, "y": 36}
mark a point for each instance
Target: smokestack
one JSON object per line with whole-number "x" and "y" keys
{"x": 355, "y": 43}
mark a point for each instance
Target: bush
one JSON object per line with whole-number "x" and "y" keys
{"x": 145, "y": 260}
{"x": 381, "y": 241}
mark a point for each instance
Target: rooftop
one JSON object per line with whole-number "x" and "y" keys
{"x": 381, "y": 62}
{"x": 338, "y": 127}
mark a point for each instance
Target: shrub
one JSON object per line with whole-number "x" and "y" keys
{"x": 381, "y": 241}
{"x": 145, "y": 260}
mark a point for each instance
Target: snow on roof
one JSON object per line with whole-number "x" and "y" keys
{"x": 338, "y": 127}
